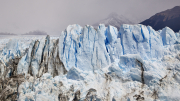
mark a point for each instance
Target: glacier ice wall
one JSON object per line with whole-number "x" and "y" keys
{"x": 134, "y": 62}
{"x": 90, "y": 49}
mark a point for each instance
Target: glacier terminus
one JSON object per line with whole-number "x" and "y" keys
{"x": 132, "y": 63}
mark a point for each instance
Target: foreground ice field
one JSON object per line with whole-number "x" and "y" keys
{"x": 132, "y": 63}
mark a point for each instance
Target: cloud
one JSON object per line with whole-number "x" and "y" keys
{"x": 53, "y": 16}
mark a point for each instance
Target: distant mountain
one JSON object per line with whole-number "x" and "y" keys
{"x": 114, "y": 20}
{"x": 37, "y": 32}
{"x": 170, "y": 18}
{"x": 5, "y": 33}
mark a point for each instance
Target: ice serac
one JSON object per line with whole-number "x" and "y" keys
{"x": 135, "y": 40}
{"x": 42, "y": 57}
{"x": 69, "y": 45}
{"x": 100, "y": 58}
{"x": 83, "y": 48}
{"x": 24, "y": 63}
{"x": 155, "y": 44}
{"x": 12, "y": 49}
{"x": 113, "y": 43}
{"x": 168, "y": 36}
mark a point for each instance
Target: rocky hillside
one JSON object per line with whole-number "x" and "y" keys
{"x": 169, "y": 18}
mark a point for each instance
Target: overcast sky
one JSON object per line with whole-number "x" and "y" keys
{"x": 53, "y": 16}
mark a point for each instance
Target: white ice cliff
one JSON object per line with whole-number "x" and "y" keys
{"x": 132, "y": 63}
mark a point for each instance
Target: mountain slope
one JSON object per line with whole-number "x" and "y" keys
{"x": 170, "y": 18}
{"x": 114, "y": 20}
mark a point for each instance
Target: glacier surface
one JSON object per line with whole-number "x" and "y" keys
{"x": 132, "y": 63}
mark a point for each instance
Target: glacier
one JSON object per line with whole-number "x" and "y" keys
{"x": 131, "y": 63}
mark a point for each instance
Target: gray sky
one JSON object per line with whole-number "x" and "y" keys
{"x": 53, "y": 16}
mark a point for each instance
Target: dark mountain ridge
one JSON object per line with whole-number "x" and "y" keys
{"x": 170, "y": 18}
